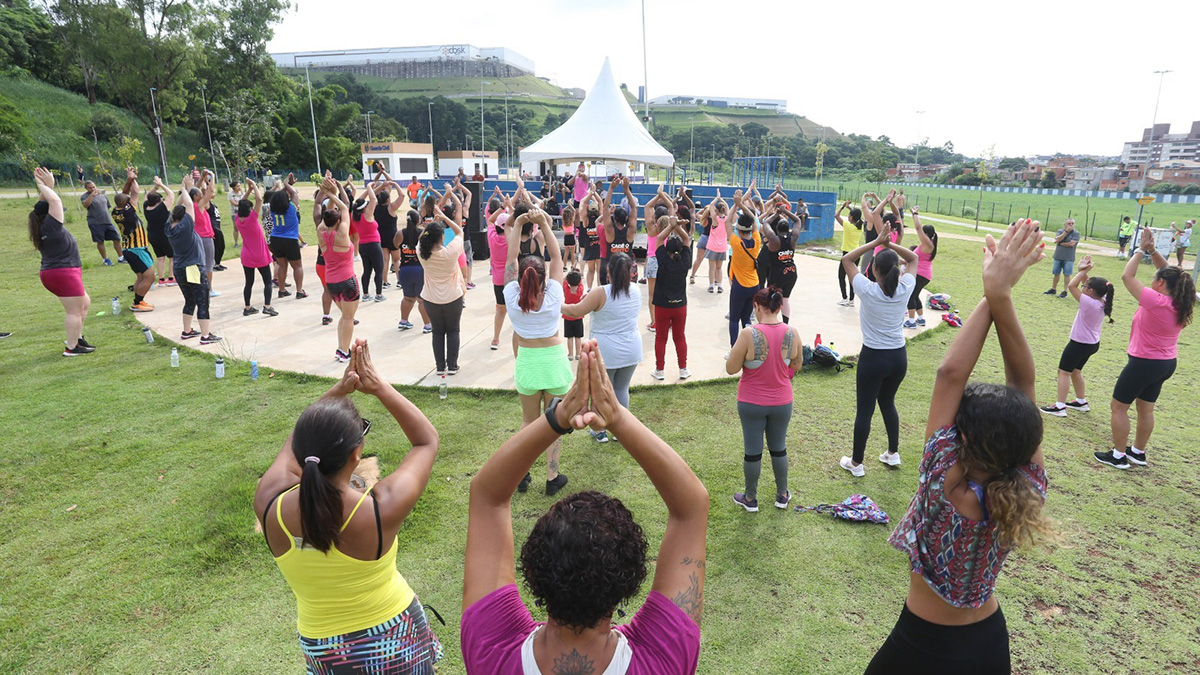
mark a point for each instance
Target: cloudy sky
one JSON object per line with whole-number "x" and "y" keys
{"x": 1025, "y": 77}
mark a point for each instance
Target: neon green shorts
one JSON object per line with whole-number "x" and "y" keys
{"x": 541, "y": 369}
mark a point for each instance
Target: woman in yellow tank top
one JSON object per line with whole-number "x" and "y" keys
{"x": 337, "y": 547}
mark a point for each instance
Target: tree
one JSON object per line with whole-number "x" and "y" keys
{"x": 1049, "y": 179}
{"x": 12, "y": 126}
{"x": 755, "y": 130}
{"x": 244, "y": 129}
{"x": 1013, "y": 164}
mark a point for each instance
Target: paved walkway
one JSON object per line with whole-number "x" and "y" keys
{"x": 295, "y": 340}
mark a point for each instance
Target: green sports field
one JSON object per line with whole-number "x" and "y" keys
{"x": 128, "y": 545}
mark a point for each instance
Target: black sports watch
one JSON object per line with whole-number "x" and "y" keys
{"x": 552, "y": 420}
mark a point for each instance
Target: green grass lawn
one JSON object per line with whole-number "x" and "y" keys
{"x": 126, "y": 485}
{"x": 59, "y": 127}
{"x": 1053, "y": 209}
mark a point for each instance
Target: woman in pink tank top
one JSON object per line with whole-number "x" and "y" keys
{"x": 768, "y": 356}
{"x": 926, "y": 251}
{"x": 334, "y": 240}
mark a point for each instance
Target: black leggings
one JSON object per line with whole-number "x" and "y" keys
{"x": 879, "y": 373}
{"x": 922, "y": 648}
{"x": 195, "y": 296}
{"x": 218, "y": 245}
{"x": 372, "y": 260}
{"x": 265, "y": 273}
{"x": 445, "y": 320}
{"x": 842, "y": 281}
{"x": 914, "y": 300}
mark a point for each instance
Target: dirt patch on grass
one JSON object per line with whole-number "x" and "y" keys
{"x": 1049, "y": 612}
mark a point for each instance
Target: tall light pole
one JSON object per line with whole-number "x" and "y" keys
{"x": 162, "y": 153}
{"x": 481, "y": 146}
{"x": 368, "y": 116}
{"x": 692, "y": 141}
{"x": 917, "y": 145}
{"x": 432, "y": 169}
{"x": 507, "y": 136}
{"x": 204, "y": 101}
{"x": 1150, "y": 146}
{"x": 313, "y": 114}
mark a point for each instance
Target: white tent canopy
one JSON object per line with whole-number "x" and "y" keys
{"x": 603, "y": 127}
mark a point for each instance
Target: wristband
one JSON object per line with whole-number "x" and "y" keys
{"x": 553, "y": 421}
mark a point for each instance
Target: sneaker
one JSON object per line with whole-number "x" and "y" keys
{"x": 657, "y": 374}
{"x": 248, "y": 311}
{"x": 214, "y": 294}
{"x": 692, "y": 280}
{"x": 341, "y": 356}
{"x": 599, "y": 436}
{"x": 782, "y": 500}
{"x": 219, "y": 268}
{"x": 300, "y": 295}
{"x": 1078, "y": 406}
{"x": 470, "y": 285}
{"x": 750, "y": 505}
{"x": 427, "y": 328}
{"x": 848, "y": 464}
{"x": 642, "y": 280}
{"x": 189, "y": 334}
{"x": 387, "y": 284}
{"x": 1054, "y": 410}
{"x": 850, "y": 302}
{"x": 650, "y": 328}
{"x": 1050, "y": 292}
{"x": 171, "y": 281}
{"x": 1109, "y": 459}
{"x": 1063, "y": 294}
{"x": 404, "y": 325}
{"x": 920, "y": 321}
{"x": 142, "y": 306}
{"x": 909, "y": 323}
{"x": 367, "y": 298}
{"x": 380, "y": 298}
{"x": 889, "y": 458}
{"x": 283, "y": 293}
{"x": 209, "y": 339}
{"x": 711, "y": 288}
{"x": 326, "y": 320}
{"x": 720, "y": 289}
{"x": 78, "y": 350}
{"x": 1138, "y": 458}
{"x": 107, "y": 263}
{"x": 684, "y": 373}
{"x": 5, "y": 335}
{"x": 83, "y": 341}
{"x": 553, "y": 486}
{"x": 120, "y": 260}
{"x": 452, "y": 370}
{"x": 357, "y": 258}
{"x": 523, "y": 486}
{"x": 844, "y": 302}
{"x": 494, "y": 345}
{"x": 269, "y": 311}
{"x": 162, "y": 283}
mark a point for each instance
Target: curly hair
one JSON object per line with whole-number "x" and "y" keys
{"x": 1001, "y": 430}
{"x": 584, "y": 557}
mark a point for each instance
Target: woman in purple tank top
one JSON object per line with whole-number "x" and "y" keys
{"x": 768, "y": 356}
{"x": 980, "y": 490}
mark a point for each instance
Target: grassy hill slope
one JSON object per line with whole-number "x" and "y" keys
{"x": 58, "y": 134}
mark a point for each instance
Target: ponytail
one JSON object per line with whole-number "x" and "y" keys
{"x": 411, "y": 219}
{"x": 1104, "y": 291}
{"x": 532, "y": 272}
{"x": 1016, "y": 508}
{"x": 932, "y": 234}
{"x": 620, "y": 271}
{"x": 434, "y": 233}
{"x": 1182, "y": 291}
{"x": 323, "y": 441}
{"x": 887, "y": 271}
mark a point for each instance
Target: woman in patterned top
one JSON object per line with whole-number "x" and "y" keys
{"x": 982, "y": 486}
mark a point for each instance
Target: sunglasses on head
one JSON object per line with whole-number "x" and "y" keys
{"x": 366, "y": 424}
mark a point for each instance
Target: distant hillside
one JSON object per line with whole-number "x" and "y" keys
{"x": 543, "y": 98}
{"x": 58, "y": 132}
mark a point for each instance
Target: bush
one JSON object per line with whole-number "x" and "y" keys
{"x": 1190, "y": 189}
{"x": 12, "y": 125}
{"x": 106, "y": 125}
{"x": 968, "y": 212}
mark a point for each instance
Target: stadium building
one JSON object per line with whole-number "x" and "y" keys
{"x": 433, "y": 61}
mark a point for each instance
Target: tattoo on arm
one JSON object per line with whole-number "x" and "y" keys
{"x": 510, "y": 272}
{"x": 691, "y": 599}
{"x": 573, "y": 664}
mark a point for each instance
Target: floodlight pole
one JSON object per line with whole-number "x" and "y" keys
{"x": 1154, "y": 120}
{"x": 204, "y": 101}
{"x": 482, "y": 148}
{"x": 917, "y": 145}
{"x": 312, "y": 113}
{"x": 162, "y": 153}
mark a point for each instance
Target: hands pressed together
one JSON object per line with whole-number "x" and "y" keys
{"x": 591, "y": 402}
{"x": 360, "y": 374}
{"x": 1005, "y": 261}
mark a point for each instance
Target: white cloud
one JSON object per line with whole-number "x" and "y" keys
{"x": 1027, "y": 77}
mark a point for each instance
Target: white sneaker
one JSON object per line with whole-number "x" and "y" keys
{"x": 849, "y": 303}
{"x": 214, "y": 294}
{"x": 657, "y": 374}
{"x": 890, "y": 459}
{"x": 684, "y": 373}
{"x": 368, "y": 298}
{"x": 857, "y": 471}
{"x": 844, "y": 302}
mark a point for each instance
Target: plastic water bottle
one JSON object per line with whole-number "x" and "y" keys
{"x": 443, "y": 392}
{"x": 220, "y": 368}
{"x": 116, "y": 306}
{"x": 174, "y": 357}
{"x": 254, "y": 370}
{"x": 148, "y": 334}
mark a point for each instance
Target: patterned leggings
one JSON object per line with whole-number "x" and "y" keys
{"x": 403, "y": 645}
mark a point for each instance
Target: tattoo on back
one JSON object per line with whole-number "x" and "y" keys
{"x": 691, "y": 599}
{"x": 574, "y": 664}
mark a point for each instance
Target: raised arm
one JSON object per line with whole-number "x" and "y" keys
{"x": 45, "y": 185}
{"x": 1129, "y": 274}
{"x": 257, "y": 195}
{"x": 512, "y": 235}
{"x": 1003, "y": 265}
{"x": 167, "y": 194}
{"x": 131, "y": 185}
{"x": 292, "y": 194}
{"x": 837, "y": 215}
{"x": 605, "y": 219}
{"x": 185, "y": 196}
{"x": 926, "y": 243}
{"x": 1080, "y": 277}
{"x": 850, "y": 260}
{"x": 551, "y": 243}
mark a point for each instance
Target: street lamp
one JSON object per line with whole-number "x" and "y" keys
{"x": 507, "y": 136}
{"x": 481, "y": 146}
{"x": 917, "y": 145}
{"x": 313, "y": 114}
{"x": 368, "y": 116}
{"x": 204, "y": 101}
{"x": 162, "y": 154}
{"x": 692, "y": 142}
{"x": 1150, "y": 146}
{"x": 432, "y": 169}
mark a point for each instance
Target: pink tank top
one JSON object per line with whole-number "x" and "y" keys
{"x": 924, "y": 264}
{"x": 339, "y": 265}
{"x": 771, "y": 382}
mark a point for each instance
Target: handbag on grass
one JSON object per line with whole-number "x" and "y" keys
{"x": 858, "y": 508}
